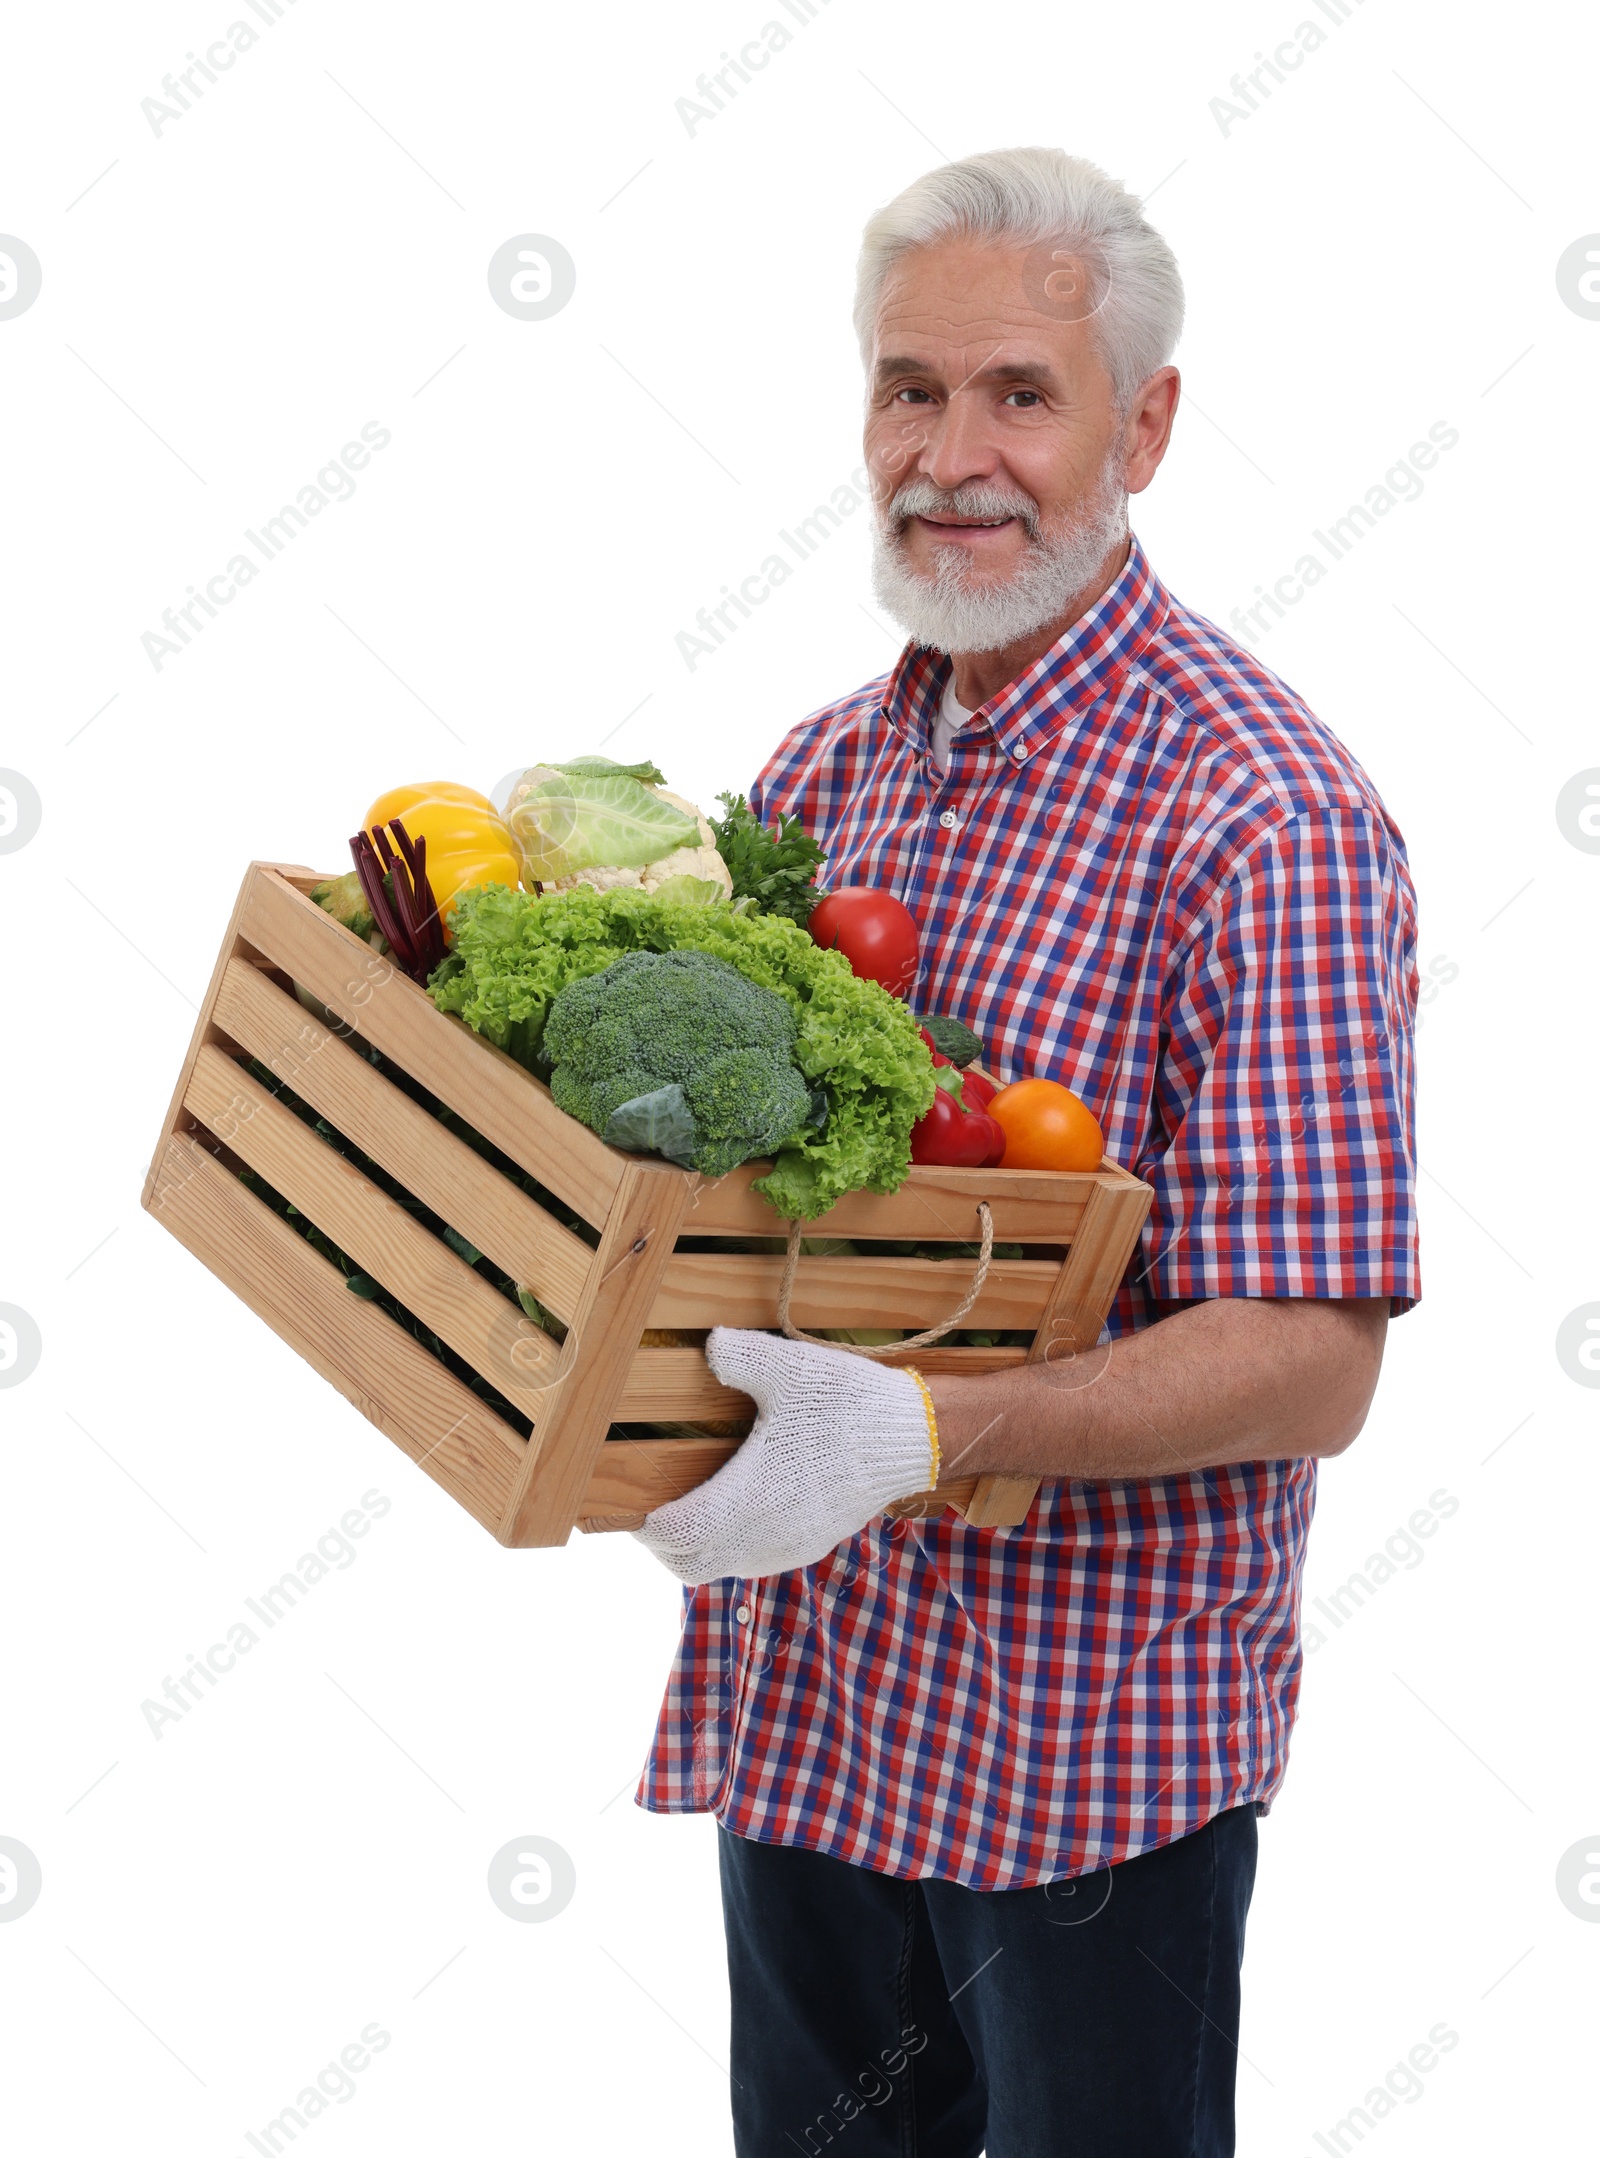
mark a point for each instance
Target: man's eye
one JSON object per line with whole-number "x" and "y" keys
{"x": 911, "y": 395}
{"x": 1032, "y": 397}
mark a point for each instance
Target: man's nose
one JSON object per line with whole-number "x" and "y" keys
{"x": 958, "y": 449}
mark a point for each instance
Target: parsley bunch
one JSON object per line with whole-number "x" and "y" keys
{"x": 774, "y": 867}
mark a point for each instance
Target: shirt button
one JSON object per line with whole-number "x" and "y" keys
{"x": 743, "y": 1614}
{"x": 1019, "y": 753}
{"x": 949, "y": 819}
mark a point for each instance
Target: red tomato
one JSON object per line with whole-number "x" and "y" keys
{"x": 875, "y": 933}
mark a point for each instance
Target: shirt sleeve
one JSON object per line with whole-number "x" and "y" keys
{"x": 1283, "y": 1154}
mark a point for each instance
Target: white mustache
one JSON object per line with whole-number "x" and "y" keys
{"x": 920, "y": 498}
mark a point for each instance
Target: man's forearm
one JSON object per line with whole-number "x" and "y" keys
{"x": 1235, "y": 1379}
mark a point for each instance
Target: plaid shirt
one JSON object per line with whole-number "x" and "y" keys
{"x": 1149, "y": 873}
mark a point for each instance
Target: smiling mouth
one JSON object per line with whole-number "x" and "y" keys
{"x": 966, "y": 524}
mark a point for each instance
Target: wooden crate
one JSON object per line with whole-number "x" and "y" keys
{"x": 609, "y": 1270}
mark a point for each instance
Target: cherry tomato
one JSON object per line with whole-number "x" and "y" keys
{"x": 875, "y": 933}
{"x": 1047, "y": 1127}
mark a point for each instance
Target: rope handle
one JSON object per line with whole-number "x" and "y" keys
{"x": 791, "y": 1266}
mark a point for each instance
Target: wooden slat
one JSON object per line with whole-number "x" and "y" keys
{"x": 493, "y": 1093}
{"x": 1030, "y": 1206}
{"x": 441, "y": 1170}
{"x": 957, "y": 1495}
{"x": 204, "y": 1030}
{"x": 634, "y": 1476}
{"x": 390, "y": 1378}
{"x": 675, "y": 1386}
{"x": 414, "y": 1266}
{"x": 1093, "y": 1271}
{"x": 702, "y": 1288}
{"x": 631, "y": 1476}
{"x": 635, "y": 1246}
{"x": 1083, "y": 1293}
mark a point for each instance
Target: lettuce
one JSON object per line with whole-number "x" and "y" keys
{"x": 859, "y": 1047}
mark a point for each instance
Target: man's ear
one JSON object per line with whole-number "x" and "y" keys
{"x": 1148, "y": 427}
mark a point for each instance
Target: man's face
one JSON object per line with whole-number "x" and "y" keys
{"x": 995, "y": 447}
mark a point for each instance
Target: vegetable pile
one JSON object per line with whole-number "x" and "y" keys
{"x": 685, "y": 987}
{"x": 515, "y": 953}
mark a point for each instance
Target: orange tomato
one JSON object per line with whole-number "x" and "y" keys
{"x": 1047, "y": 1127}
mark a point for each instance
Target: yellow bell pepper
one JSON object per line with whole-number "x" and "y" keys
{"x": 468, "y": 844}
{"x": 399, "y": 799}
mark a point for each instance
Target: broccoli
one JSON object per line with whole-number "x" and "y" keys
{"x": 678, "y": 1053}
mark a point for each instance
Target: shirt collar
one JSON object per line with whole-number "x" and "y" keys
{"x": 1093, "y": 657}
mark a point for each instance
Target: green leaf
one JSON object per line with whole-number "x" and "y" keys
{"x": 575, "y": 820}
{"x": 686, "y": 891}
{"x": 364, "y": 1286}
{"x": 773, "y": 869}
{"x": 603, "y": 767}
{"x": 656, "y": 1123}
{"x": 459, "y": 1245}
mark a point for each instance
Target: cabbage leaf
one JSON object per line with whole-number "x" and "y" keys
{"x": 569, "y": 821}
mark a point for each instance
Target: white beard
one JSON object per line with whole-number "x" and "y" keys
{"x": 954, "y": 611}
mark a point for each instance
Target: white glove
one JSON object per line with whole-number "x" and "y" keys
{"x": 838, "y": 1438}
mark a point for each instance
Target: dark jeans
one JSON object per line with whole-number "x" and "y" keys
{"x": 1095, "y": 2018}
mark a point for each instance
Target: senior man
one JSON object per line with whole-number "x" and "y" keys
{"x": 988, "y": 1797}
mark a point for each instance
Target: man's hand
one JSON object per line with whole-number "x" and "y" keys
{"x": 838, "y": 1439}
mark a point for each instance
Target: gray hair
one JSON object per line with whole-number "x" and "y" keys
{"x": 1028, "y": 197}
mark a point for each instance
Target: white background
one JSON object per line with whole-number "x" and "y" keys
{"x": 1370, "y": 252}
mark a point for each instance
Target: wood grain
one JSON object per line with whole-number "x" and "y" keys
{"x": 635, "y": 1246}
{"x": 634, "y": 1475}
{"x": 204, "y": 1031}
{"x": 493, "y": 1093}
{"x": 390, "y": 1378}
{"x": 1030, "y": 1206}
{"x": 721, "y": 1289}
{"x": 1084, "y": 1291}
{"x": 446, "y": 1174}
{"x": 675, "y": 1386}
{"x": 416, "y": 1267}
